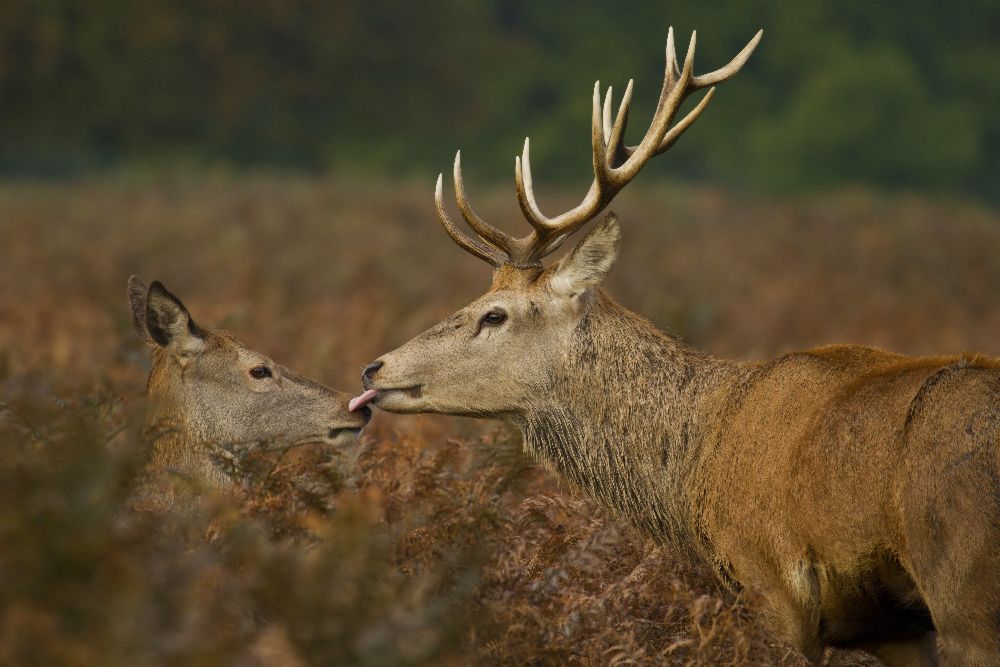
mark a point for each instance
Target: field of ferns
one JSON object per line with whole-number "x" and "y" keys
{"x": 435, "y": 541}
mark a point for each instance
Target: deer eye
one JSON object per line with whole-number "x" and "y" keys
{"x": 260, "y": 372}
{"x": 494, "y": 318}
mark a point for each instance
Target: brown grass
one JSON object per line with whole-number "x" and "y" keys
{"x": 443, "y": 545}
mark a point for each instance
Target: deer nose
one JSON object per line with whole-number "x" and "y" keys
{"x": 369, "y": 372}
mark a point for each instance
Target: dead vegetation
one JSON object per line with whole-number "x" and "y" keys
{"x": 442, "y": 545}
{"x": 435, "y": 553}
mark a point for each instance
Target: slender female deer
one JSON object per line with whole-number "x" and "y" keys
{"x": 206, "y": 388}
{"x": 856, "y": 490}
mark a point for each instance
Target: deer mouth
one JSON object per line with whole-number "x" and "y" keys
{"x": 358, "y": 402}
{"x": 379, "y": 396}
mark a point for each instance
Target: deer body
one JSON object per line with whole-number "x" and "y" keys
{"x": 859, "y": 490}
{"x": 207, "y": 391}
{"x": 856, "y": 490}
{"x": 844, "y": 484}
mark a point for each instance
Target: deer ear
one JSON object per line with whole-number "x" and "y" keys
{"x": 168, "y": 322}
{"x": 137, "y": 304}
{"x": 590, "y": 261}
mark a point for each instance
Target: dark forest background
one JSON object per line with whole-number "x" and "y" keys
{"x": 885, "y": 94}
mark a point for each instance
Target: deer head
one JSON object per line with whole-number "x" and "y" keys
{"x": 505, "y": 350}
{"x": 211, "y": 388}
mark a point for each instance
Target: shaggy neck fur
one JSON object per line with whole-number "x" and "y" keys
{"x": 626, "y": 421}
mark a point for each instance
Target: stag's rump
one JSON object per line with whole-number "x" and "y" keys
{"x": 949, "y": 499}
{"x": 903, "y": 511}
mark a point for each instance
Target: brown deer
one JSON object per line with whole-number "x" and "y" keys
{"x": 207, "y": 389}
{"x": 855, "y": 490}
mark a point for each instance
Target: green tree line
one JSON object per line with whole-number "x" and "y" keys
{"x": 896, "y": 95}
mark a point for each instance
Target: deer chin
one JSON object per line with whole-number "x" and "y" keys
{"x": 343, "y": 436}
{"x": 402, "y": 399}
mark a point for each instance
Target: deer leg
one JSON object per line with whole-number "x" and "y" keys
{"x": 968, "y": 652}
{"x": 964, "y": 600}
{"x": 963, "y": 595}
{"x": 968, "y": 630}
{"x": 802, "y": 634}
{"x": 959, "y": 577}
{"x": 796, "y": 612}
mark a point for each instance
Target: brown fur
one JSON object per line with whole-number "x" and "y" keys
{"x": 203, "y": 398}
{"x": 857, "y": 490}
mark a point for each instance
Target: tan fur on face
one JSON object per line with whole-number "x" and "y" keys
{"x": 857, "y": 490}
{"x": 202, "y": 396}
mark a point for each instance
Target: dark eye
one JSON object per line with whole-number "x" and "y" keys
{"x": 260, "y": 372}
{"x": 494, "y": 318}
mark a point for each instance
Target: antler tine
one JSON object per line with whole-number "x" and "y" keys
{"x": 616, "y": 149}
{"x": 677, "y": 130}
{"x": 500, "y": 240}
{"x": 649, "y": 146}
{"x": 672, "y": 70}
{"x": 607, "y": 113}
{"x": 480, "y": 250}
{"x": 525, "y": 189}
{"x": 734, "y": 66}
{"x": 598, "y": 139}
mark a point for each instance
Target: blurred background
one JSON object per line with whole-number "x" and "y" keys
{"x": 837, "y": 93}
{"x": 273, "y": 163}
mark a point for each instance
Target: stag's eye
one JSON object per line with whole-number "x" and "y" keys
{"x": 260, "y": 372}
{"x": 494, "y": 318}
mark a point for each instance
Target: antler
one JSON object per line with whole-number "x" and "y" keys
{"x": 615, "y": 163}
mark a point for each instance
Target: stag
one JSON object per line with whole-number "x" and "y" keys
{"x": 210, "y": 396}
{"x": 855, "y": 490}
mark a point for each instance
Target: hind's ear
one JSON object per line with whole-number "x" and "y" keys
{"x": 137, "y": 304}
{"x": 168, "y": 322}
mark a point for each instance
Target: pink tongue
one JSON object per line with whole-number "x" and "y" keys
{"x": 361, "y": 401}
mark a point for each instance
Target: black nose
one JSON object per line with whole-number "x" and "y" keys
{"x": 370, "y": 370}
{"x": 366, "y": 412}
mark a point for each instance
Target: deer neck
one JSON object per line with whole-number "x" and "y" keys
{"x": 626, "y": 419}
{"x": 178, "y": 443}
